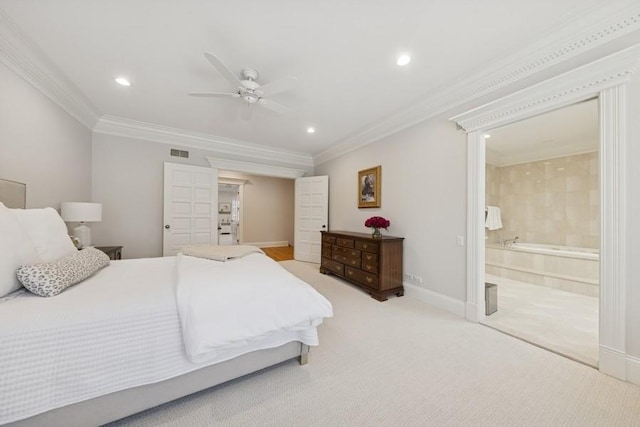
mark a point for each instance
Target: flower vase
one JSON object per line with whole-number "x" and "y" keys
{"x": 376, "y": 233}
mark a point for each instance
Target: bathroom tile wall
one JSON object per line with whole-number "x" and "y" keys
{"x": 492, "y": 197}
{"x": 555, "y": 201}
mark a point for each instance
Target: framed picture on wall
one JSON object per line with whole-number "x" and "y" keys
{"x": 224, "y": 207}
{"x": 369, "y": 187}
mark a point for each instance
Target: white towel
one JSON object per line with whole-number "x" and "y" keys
{"x": 494, "y": 220}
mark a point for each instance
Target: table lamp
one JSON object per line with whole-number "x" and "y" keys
{"x": 81, "y": 212}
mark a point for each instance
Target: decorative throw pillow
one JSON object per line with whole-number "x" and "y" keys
{"x": 47, "y": 231}
{"x": 51, "y": 278}
{"x": 16, "y": 249}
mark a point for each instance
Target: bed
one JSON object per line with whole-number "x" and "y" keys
{"x": 120, "y": 341}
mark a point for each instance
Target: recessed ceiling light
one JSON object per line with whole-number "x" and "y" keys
{"x": 311, "y": 130}
{"x": 403, "y": 60}
{"x": 122, "y": 81}
{"x": 487, "y": 136}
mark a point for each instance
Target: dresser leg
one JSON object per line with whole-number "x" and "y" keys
{"x": 400, "y": 293}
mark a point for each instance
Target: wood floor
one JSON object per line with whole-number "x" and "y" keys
{"x": 283, "y": 253}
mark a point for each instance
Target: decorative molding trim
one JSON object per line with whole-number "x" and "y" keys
{"x": 633, "y": 370}
{"x": 109, "y": 125}
{"x": 586, "y": 33}
{"x": 612, "y": 362}
{"x": 475, "y": 226}
{"x": 613, "y": 223}
{"x": 33, "y": 65}
{"x": 576, "y": 85}
{"x": 277, "y": 244}
{"x": 613, "y": 192}
{"x": 435, "y": 299}
{"x": 255, "y": 168}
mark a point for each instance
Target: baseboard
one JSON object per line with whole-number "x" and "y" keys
{"x": 633, "y": 370}
{"x": 435, "y": 299}
{"x": 613, "y": 362}
{"x": 277, "y": 244}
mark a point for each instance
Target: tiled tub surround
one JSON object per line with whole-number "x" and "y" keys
{"x": 554, "y": 201}
{"x": 568, "y": 269}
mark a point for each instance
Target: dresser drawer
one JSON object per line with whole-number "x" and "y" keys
{"x": 332, "y": 266}
{"x": 367, "y": 279}
{"x": 366, "y": 246}
{"x": 326, "y": 250}
{"x": 371, "y": 267}
{"x": 369, "y": 258}
{"x": 328, "y": 239}
{"x": 351, "y": 253}
{"x": 347, "y": 243}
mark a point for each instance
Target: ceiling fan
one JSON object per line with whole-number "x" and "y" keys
{"x": 247, "y": 88}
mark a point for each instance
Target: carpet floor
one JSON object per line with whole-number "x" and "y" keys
{"x": 404, "y": 363}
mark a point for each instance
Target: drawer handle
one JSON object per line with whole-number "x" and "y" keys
{"x": 368, "y": 267}
{"x": 365, "y": 246}
{"x": 369, "y": 257}
{"x": 337, "y": 268}
{"x": 369, "y": 279}
{"x": 350, "y": 273}
{"x": 353, "y": 262}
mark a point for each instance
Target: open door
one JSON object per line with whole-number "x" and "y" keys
{"x": 311, "y": 216}
{"x": 190, "y": 206}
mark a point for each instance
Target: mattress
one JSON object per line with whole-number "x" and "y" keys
{"x": 116, "y": 330}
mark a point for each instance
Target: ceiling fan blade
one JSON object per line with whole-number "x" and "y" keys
{"x": 222, "y": 69}
{"x": 279, "y": 86}
{"x": 215, "y": 95}
{"x": 274, "y": 106}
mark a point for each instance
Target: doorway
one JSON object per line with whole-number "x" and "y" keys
{"x": 228, "y": 214}
{"x": 542, "y": 236}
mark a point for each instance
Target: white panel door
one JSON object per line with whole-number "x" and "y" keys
{"x": 190, "y": 206}
{"x": 311, "y": 216}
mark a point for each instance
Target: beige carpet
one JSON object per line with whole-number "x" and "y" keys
{"x": 403, "y": 363}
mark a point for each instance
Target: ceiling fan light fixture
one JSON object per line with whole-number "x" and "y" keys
{"x": 250, "y": 98}
{"x": 311, "y": 129}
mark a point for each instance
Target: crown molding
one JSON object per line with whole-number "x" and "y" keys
{"x": 254, "y": 168}
{"x": 586, "y": 33}
{"x": 227, "y": 147}
{"x": 33, "y": 65}
{"x": 579, "y": 84}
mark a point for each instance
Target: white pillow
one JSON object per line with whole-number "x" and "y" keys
{"x": 16, "y": 249}
{"x": 47, "y": 232}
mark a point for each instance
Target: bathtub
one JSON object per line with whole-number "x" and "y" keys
{"x": 564, "y": 251}
{"x": 560, "y": 267}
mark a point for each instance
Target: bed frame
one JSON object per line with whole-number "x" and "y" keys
{"x": 114, "y": 406}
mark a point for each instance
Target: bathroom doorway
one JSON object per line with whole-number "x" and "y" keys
{"x": 542, "y": 229}
{"x": 228, "y": 214}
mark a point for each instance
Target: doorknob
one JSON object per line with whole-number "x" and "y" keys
{"x": 167, "y": 226}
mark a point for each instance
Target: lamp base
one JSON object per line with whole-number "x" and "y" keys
{"x": 83, "y": 233}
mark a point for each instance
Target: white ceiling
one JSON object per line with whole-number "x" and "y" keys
{"x": 342, "y": 52}
{"x": 570, "y": 130}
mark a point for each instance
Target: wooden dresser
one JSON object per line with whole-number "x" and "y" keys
{"x": 373, "y": 264}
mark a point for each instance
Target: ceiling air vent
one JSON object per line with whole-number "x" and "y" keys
{"x": 179, "y": 153}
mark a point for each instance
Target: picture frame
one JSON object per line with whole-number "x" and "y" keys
{"x": 369, "y": 184}
{"x": 224, "y": 207}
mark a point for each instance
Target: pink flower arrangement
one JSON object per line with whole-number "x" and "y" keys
{"x": 377, "y": 222}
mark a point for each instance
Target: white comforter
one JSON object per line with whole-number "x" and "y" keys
{"x": 230, "y": 304}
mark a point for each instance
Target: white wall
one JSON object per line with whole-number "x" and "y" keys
{"x": 41, "y": 145}
{"x": 268, "y": 210}
{"x": 128, "y": 181}
{"x": 423, "y": 195}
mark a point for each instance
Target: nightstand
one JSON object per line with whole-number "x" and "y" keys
{"x": 114, "y": 252}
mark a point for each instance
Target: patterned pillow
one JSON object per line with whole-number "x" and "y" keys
{"x": 50, "y": 279}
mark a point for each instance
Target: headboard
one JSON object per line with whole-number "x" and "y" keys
{"x": 13, "y": 194}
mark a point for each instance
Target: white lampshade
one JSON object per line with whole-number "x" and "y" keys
{"x": 81, "y": 212}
